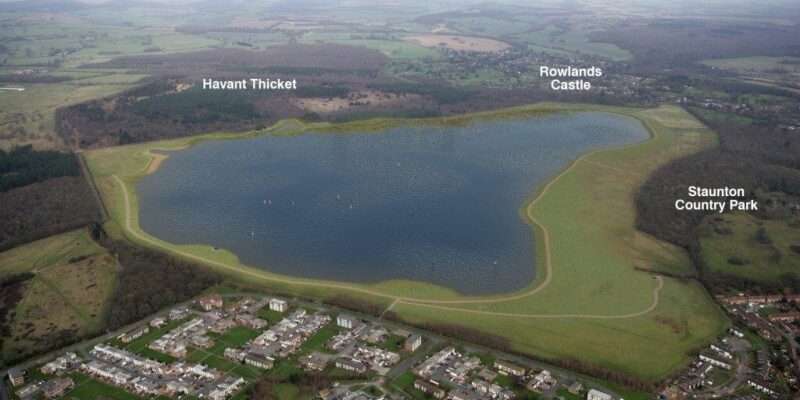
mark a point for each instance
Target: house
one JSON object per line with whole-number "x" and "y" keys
{"x": 714, "y": 362}
{"x": 227, "y": 387}
{"x": 595, "y": 394}
{"x": 158, "y": 322}
{"x": 429, "y": 388}
{"x": 762, "y": 387}
{"x": 721, "y": 351}
{"x": 492, "y": 390}
{"x": 145, "y": 385}
{"x": 61, "y": 364}
{"x": 543, "y": 381}
{"x": 412, "y": 342}
{"x": 785, "y": 317}
{"x": 258, "y": 361}
{"x": 178, "y": 313}
{"x": 234, "y": 354}
{"x": 278, "y": 305}
{"x": 204, "y": 372}
{"x": 17, "y": 376}
{"x": 315, "y": 361}
{"x": 240, "y": 305}
{"x": 211, "y": 302}
{"x": 346, "y": 321}
{"x": 508, "y": 368}
{"x": 133, "y": 334}
{"x": 250, "y": 321}
{"x": 202, "y": 341}
{"x": 29, "y": 391}
{"x": 463, "y": 393}
{"x": 575, "y": 387}
{"x": 351, "y": 365}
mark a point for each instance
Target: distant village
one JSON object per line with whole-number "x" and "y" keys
{"x": 216, "y": 347}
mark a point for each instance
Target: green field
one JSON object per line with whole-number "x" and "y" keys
{"x": 47, "y": 252}
{"x": 769, "y": 71}
{"x": 398, "y": 49}
{"x": 755, "y": 64}
{"x": 67, "y": 295}
{"x": 726, "y": 238}
{"x": 588, "y": 300}
{"x": 92, "y": 389}
{"x": 28, "y": 116}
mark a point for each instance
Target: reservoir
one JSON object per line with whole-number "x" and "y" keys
{"x": 438, "y": 204}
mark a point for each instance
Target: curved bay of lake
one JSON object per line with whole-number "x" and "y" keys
{"x": 438, "y": 204}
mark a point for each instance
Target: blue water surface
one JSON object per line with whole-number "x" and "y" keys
{"x": 433, "y": 204}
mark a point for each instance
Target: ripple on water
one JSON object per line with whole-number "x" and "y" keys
{"x": 435, "y": 204}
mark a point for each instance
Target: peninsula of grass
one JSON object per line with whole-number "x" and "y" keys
{"x": 590, "y": 301}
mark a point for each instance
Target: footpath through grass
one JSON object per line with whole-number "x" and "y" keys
{"x": 593, "y": 305}
{"x": 66, "y": 297}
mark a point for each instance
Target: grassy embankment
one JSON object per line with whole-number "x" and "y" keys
{"x": 587, "y": 302}
{"x": 73, "y": 278}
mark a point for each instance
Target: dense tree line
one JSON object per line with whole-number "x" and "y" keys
{"x": 443, "y": 93}
{"x": 350, "y": 303}
{"x": 149, "y": 281}
{"x": 196, "y": 106}
{"x": 22, "y": 166}
{"x": 45, "y": 208}
{"x": 319, "y": 57}
{"x": 757, "y": 158}
{"x": 157, "y": 111}
{"x": 676, "y": 43}
{"x": 321, "y": 91}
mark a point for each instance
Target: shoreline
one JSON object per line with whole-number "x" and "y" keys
{"x": 541, "y": 235}
{"x": 593, "y": 291}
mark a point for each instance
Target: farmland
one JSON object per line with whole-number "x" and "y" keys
{"x": 459, "y": 42}
{"x": 595, "y": 266}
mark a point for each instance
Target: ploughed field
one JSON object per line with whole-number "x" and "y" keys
{"x": 438, "y": 204}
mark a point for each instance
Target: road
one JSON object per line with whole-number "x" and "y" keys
{"x": 431, "y": 341}
{"x": 742, "y": 349}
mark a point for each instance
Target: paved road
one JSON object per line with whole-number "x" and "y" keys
{"x": 742, "y": 349}
{"x": 430, "y": 338}
{"x": 409, "y": 362}
{"x": 3, "y": 390}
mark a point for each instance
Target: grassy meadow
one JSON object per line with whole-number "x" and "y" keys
{"x": 593, "y": 305}
{"x": 28, "y": 116}
{"x": 73, "y": 279}
{"x": 729, "y": 244}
